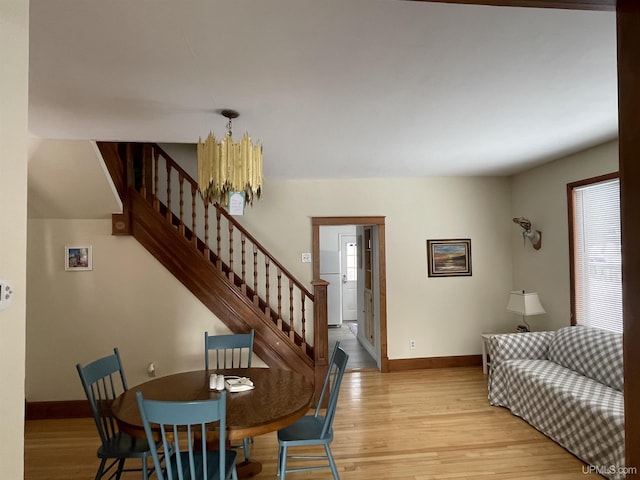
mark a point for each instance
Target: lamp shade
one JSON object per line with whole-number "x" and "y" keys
{"x": 525, "y": 303}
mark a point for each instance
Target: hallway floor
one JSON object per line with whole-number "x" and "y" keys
{"x": 359, "y": 357}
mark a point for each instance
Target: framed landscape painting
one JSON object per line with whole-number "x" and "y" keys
{"x": 449, "y": 258}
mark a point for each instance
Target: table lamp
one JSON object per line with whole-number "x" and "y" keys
{"x": 525, "y": 304}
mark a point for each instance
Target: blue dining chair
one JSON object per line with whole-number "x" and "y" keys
{"x": 315, "y": 429}
{"x": 233, "y": 350}
{"x": 182, "y": 428}
{"x": 103, "y": 380}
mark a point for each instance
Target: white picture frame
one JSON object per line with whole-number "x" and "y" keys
{"x": 78, "y": 258}
{"x": 236, "y": 203}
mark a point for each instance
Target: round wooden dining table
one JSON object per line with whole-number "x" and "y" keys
{"x": 280, "y": 397}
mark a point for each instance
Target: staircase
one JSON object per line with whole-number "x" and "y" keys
{"x": 221, "y": 263}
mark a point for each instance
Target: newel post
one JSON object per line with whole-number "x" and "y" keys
{"x": 320, "y": 333}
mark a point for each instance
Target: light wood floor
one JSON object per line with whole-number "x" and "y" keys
{"x": 419, "y": 425}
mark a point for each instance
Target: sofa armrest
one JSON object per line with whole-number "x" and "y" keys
{"x": 512, "y": 346}
{"x": 531, "y": 345}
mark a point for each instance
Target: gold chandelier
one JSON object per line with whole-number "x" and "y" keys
{"x": 226, "y": 166}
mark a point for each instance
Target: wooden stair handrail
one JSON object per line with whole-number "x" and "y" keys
{"x": 237, "y": 225}
{"x": 174, "y": 165}
{"x": 264, "y": 251}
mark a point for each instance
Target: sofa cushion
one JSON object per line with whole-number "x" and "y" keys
{"x": 592, "y": 352}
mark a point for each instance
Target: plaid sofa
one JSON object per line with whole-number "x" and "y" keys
{"x": 567, "y": 384}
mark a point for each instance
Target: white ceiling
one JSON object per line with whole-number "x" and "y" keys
{"x": 332, "y": 88}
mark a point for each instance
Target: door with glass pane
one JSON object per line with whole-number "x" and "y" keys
{"x": 349, "y": 270}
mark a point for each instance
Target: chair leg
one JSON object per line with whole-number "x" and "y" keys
{"x": 120, "y": 468}
{"x": 145, "y": 471}
{"x": 100, "y": 471}
{"x": 332, "y": 463}
{"x": 282, "y": 464}
{"x": 245, "y": 447}
{"x": 279, "y": 460}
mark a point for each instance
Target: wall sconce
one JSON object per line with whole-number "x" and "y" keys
{"x": 534, "y": 236}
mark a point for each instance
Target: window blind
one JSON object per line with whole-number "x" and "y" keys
{"x": 597, "y": 255}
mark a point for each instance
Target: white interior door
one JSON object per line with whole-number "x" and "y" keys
{"x": 349, "y": 271}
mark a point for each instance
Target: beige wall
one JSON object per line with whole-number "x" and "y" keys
{"x": 14, "y": 51}
{"x": 540, "y": 194}
{"x": 66, "y": 180}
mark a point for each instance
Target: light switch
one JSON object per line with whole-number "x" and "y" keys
{"x": 306, "y": 258}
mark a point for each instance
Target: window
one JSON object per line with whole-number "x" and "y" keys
{"x": 595, "y": 248}
{"x": 352, "y": 261}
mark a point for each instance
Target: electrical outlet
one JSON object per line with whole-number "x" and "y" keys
{"x": 306, "y": 258}
{"x": 412, "y": 344}
{"x": 6, "y": 292}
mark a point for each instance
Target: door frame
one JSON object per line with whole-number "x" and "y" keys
{"x": 316, "y": 223}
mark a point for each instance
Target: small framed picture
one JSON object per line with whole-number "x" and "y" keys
{"x": 449, "y": 258}
{"x": 78, "y": 258}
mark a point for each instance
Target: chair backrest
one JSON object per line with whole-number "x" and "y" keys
{"x": 332, "y": 382}
{"x": 103, "y": 380}
{"x": 231, "y": 351}
{"x": 182, "y": 427}
{"x": 327, "y": 377}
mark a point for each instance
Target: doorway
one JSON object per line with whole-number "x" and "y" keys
{"x": 358, "y": 243}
